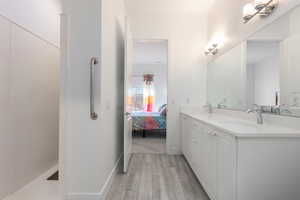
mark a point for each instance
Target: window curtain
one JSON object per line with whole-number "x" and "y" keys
{"x": 149, "y": 94}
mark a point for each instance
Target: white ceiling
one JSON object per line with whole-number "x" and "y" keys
{"x": 168, "y": 6}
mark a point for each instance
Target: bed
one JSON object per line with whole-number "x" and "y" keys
{"x": 150, "y": 121}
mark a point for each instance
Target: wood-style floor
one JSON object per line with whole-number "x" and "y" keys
{"x": 155, "y": 144}
{"x": 155, "y": 176}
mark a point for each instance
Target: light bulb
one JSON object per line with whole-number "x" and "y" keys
{"x": 248, "y": 11}
{"x": 258, "y": 4}
{"x": 266, "y": 10}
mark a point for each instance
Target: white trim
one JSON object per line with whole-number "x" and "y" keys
{"x": 109, "y": 181}
{"x": 63, "y": 103}
{"x": 105, "y": 189}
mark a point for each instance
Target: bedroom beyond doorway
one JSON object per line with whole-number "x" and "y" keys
{"x": 149, "y": 96}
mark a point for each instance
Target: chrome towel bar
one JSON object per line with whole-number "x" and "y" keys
{"x": 94, "y": 62}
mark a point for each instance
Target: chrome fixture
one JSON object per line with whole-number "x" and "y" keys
{"x": 221, "y": 105}
{"x": 276, "y": 110}
{"x": 260, "y": 7}
{"x": 209, "y": 107}
{"x": 258, "y": 111}
{"x": 285, "y": 109}
{"x": 94, "y": 61}
{"x": 212, "y": 49}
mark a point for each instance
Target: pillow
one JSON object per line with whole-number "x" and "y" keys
{"x": 163, "y": 110}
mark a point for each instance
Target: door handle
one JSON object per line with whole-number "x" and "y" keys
{"x": 93, "y": 63}
{"x": 212, "y": 133}
{"x": 127, "y": 113}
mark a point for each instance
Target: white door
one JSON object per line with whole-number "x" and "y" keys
{"x": 127, "y": 96}
{"x": 209, "y": 167}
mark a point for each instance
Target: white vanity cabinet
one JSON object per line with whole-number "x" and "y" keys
{"x": 186, "y": 137}
{"x": 211, "y": 155}
{"x": 226, "y": 166}
{"x": 235, "y": 167}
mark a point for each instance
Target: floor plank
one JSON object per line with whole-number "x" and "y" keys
{"x": 150, "y": 144}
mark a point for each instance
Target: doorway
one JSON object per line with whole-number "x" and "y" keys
{"x": 149, "y": 96}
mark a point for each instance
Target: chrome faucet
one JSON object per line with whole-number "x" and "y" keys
{"x": 285, "y": 109}
{"x": 222, "y": 104}
{"x": 209, "y": 106}
{"x": 258, "y": 111}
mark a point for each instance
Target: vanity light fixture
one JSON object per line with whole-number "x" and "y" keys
{"x": 212, "y": 49}
{"x": 248, "y": 11}
{"x": 260, "y": 7}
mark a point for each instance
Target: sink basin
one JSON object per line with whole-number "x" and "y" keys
{"x": 240, "y": 123}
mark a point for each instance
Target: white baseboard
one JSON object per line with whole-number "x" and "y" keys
{"x": 105, "y": 189}
{"x": 111, "y": 177}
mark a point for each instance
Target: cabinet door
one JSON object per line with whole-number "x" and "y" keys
{"x": 212, "y": 164}
{"x": 199, "y": 151}
{"x": 183, "y": 120}
{"x": 191, "y": 142}
{"x": 207, "y": 166}
{"x": 196, "y": 148}
{"x": 185, "y": 135}
{"x": 226, "y": 166}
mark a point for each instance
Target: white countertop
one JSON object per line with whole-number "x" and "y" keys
{"x": 241, "y": 127}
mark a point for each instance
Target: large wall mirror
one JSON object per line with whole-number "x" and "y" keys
{"x": 264, "y": 70}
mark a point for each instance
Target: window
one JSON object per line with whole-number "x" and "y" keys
{"x": 138, "y": 99}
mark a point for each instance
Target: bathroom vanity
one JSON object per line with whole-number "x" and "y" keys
{"x": 235, "y": 158}
{"x": 238, "y": 156}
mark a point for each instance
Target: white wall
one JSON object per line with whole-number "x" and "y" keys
{"x": 29, "y": 106}
{"x": 150, "y": 52}
{"x": 263, "y": 59}
{"x": 40, "y": 18}
{"x": 183, "y": 24}
{"x": 266, "y": 81}
{"x": 92, "y": 148}
{"x": 289, "y": 72}
{"x": 226, "y": 79}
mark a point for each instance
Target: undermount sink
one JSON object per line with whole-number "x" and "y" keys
{"x": 241, "y": 123}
